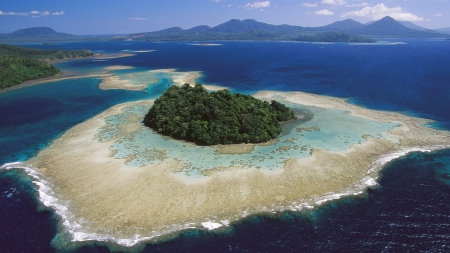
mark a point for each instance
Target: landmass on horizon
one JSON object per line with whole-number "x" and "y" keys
{"x": 247, "y": 29}
{"x": 193, "y": 126}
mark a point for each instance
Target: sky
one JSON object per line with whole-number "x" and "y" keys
{"x": 83, "y": 17}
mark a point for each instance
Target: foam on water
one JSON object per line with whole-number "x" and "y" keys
{"x": 380, "y": 43}
{"x": 204, "y": 44}
{"x": 76, "y": 228}
{"x": 79, "y": 232}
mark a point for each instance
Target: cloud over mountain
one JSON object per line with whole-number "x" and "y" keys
{"x": 380, "y": 10}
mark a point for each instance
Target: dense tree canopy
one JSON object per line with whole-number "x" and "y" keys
{"x": 335, "y": 37}
{"x": 19, "y": 64}
{"x": 209, "y": 118}
{"x": 16, "y": 70}
{"x": 34, "y": 53}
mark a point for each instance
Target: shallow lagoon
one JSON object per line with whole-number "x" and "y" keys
{"x": 417, "y": 66}
{"x": 148, "y": 147}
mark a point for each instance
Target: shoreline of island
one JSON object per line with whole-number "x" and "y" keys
{"x": 302, "y": 184}
{"x": 135, "y": 243}
{"x": 65, "y": 74}
{"x": 111, "y": 80}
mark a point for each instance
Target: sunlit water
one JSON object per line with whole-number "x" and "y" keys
{"x": 409, "y": 212}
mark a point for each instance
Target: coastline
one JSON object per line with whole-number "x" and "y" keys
{"x": 95, "y": 56}
{"x": 83, "y": 171}
{"x": 65, "y": 74}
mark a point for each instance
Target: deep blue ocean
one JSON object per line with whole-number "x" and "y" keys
{"x": 409, "y": 212}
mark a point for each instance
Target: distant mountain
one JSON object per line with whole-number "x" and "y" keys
{"x": 234, "y": 29}
{"x": 347, "y": 24}
{"x": 388, "y": 27}
{"x": 199, "y": 29}
{"x": 411, "y": 25}
{"x": 37, "y": 34}
{"x": 231, "y": 30}
{"x": 444, "y": 30}
{"x": 247, "y": 25}
{"x": 248, "y": 29}
{"x": 238, "y": 26}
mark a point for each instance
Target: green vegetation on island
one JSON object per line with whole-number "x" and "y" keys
{"x": 16, "y": 70}
{"x": 220, "y": 117}
{"x": 234, "y": 29}
{"x": 19, "y": 64}
{"x": 335, "y": 37}
{"x": 40, "y": 54}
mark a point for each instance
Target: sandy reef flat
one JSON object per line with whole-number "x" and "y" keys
{"x": 133, "y": 81}
{"x": 111, "y": 200}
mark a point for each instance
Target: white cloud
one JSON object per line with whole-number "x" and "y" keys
{"x": 324, "y": 12}
{"x": 33, "y": 13}
{"x": 58, "y": 13}
{"x": 380, "y": 11}
{"x": 437, "y": 15}
{"x": 258, "y": 5}
{"x": 138, "y": 19}
{"x": 357, "y": 5}
{"x": 12, "y": 13}
{"x": 334, "y": 2}
{"x": 217, "y": 1}
{"x": 310, "y": 5}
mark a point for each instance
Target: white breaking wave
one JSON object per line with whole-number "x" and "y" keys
{"x": 381, "y": 43}
{"x": 204, "y": 44}
{"x": 80, "y": 233}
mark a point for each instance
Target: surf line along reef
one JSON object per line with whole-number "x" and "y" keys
{"x": 113, "y": 180}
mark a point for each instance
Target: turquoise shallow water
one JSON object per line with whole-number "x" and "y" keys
{"x": 410, "y": 211}
{"x": 296, "y": 142}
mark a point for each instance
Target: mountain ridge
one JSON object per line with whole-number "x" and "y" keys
{"x": 385, "y": 27}
{"x": 389, "y": 27}
{"x": 346, "y": 24}
{"x": 39, "y": 33}
{"x": 247, "y": 29}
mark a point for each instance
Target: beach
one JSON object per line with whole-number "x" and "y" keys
{"x": 110, "y": 199}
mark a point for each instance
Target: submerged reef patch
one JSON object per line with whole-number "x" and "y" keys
{"x": 124, "y": 184}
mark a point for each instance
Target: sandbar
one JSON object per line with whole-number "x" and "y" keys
{"x": 111, "y": 80}
{"x": 67, "y": 74}
{"x": 111, "y": 201}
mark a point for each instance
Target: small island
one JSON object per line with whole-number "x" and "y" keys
{"x": 19, "y": 64}
{"x": 335, "y": 37}
{"x": 209, "y": 118}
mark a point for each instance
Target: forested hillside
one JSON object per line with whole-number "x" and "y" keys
{"x": 196, "y": 115}
{"x": 19, "y": 64}
{"x": 335, "y": 37}
{"x": 16, "y": 70}
{"x": 33, "y": 53}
